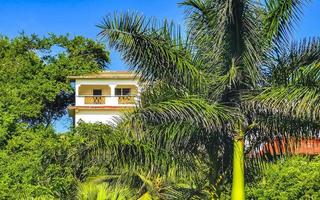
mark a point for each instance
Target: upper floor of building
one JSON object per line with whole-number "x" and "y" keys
{"x": 106, "y": 89}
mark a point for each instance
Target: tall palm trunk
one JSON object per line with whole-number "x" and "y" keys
{"x": 238, "y": 168}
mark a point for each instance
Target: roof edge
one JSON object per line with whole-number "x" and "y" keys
{"x": 106, "y": 75}
{"x": 100, "y": 107}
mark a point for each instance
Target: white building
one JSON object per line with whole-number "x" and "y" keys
{"x": 102, "y": 97}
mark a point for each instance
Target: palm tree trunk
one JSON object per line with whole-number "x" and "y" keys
{"x": 238, "y": 168}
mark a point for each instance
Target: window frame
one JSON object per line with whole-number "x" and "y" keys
{"x": 121, "y": 92}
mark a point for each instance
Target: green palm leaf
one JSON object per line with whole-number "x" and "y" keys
{"x": 156, "y": 51}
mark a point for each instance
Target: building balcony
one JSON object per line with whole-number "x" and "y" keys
{"x": 106, "y": 100}
{"x": 95, "y": 95}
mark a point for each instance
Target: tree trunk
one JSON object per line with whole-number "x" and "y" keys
{"x": 238, "y": 168}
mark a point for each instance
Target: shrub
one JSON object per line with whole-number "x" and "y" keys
{"x": 296, "y": 177}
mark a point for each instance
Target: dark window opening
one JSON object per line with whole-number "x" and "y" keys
{"x": 122, "y": 91}
{"x": 97, "y": 92}
{"x": 125, "y": 91}
{"x": 118, "y": 91}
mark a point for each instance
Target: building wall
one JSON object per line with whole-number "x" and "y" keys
{"x": 310, "y": 146}
{"x": 88, "y": 89}
{"x": 134, "y": 89}
{"x": 93, "y": 116}
{"x": 106, "y": 82}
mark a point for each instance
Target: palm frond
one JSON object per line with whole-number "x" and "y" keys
{"x": 301, "y": 102}
{"x": 189, "y": 109}
{"x": 298, "y": 97}
{"x": 287, "y": 61}
{"x": 267, "y": 128}
{"x": 97, "y": 190}
{"x": 154, "y": 50}
{"x": 280, "y": 17}
{"x": 294, "y": 83}
{"x": 201, "y": 21}
{"x": 226, "y": 39}
{"x": 119, "y": 149}
{"x": 161, "y": 91}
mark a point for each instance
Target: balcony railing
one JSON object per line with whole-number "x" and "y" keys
{"x": 106, "y": 100}
{"x": 94, "y": 100}
{"x": 126, "y": 100}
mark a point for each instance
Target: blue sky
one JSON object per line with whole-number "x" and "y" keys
{"x": 80, "y": 17}
{"x": 76, "y": 17}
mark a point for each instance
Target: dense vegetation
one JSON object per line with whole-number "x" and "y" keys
{"x": 33, "y": 82}
{"x": 37, "y": 162}
{"x": 290, "y": 178}
{"x": 34, "y": 160}
{"x": 236, "y": 79}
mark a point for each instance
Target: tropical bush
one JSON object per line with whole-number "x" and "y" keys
{"x": 289, "y": 178}
{"x": 39, "y": 163}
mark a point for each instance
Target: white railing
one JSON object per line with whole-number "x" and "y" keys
{"x": 103, "y": 100}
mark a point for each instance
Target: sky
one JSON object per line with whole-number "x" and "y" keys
{"x": 80, "y": 17}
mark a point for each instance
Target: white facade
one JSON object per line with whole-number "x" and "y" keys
{"x": 93, "y": 116}
{"x": 103, "y": 97}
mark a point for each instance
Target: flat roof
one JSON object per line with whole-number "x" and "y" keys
{"x": 107, "y": 75}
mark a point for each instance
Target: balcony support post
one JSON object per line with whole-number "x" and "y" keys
{"x": 113, "y": 99}
{"x": 112, "y": 89}
{"x": 77, "y": 86}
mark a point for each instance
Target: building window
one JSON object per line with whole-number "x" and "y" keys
{"x": 123, "y": 91}
{"x": 97, "y": 92}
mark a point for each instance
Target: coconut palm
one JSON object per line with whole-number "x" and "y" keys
{"x": 234, "y": 78}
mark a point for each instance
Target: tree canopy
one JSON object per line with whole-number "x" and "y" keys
{"x": 33, "y": 84}
{"x": 35, "y": 161}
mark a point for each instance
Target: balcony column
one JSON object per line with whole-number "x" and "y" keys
{"x": 77, "y": 86}
{"x": 112, "y": 89}
{"x": 113, "y": 100}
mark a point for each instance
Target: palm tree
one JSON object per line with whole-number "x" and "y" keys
{"x": 233, "y": 80}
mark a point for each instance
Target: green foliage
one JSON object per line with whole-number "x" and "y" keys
{"x": 33, "y": 84}
{"x": 99, "y": 190}
{"x": 294, "y": 77}
{"x": 229, "y": 76}
{"x": 35, "y": 162}
{"x": 154, "y": 50}
{"x": 25, "y": 171}
{"x": 134, "y": 185}
{"x": 226, "y": 81}
{"x": 39, "y": 163}
{"x": 289, "y": 178}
